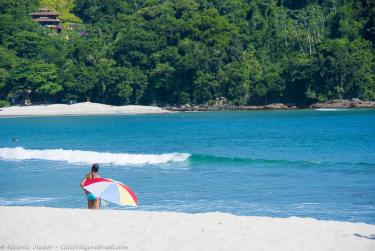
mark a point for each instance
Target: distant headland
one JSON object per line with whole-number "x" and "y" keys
{"x": 222, "y": 104}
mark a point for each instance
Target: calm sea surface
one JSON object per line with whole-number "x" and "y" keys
{"x": 308, "y": 163}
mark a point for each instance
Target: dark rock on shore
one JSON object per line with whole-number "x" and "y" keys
{"x": 222, "y": 104}
{"x": 249, "y": 107}
{"x": 276, "y": 106}
{"x": 353, "y": 103}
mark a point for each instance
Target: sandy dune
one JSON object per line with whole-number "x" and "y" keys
{"x": 85, "y": 108}
{"x": 59, "y": 229}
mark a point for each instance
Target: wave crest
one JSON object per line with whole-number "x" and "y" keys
{"x": 127, "y": 159}
{"x": 332, "y": 109}
{"x": 221, "y": 160}
{"x": 89, "y": 157}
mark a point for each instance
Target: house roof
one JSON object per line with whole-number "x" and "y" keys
{"x": 46, "y": 20}
{"x": 44, "y": 12}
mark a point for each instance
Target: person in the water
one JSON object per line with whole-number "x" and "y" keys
{"x": 93, "y": 202}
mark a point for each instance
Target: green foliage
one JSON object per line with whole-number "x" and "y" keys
{"x": 49, "y": 89}
{"x": 27, "y": 44}
{"x": 64, "y": 7}
{"x": 346, "y": 69}
{"x": 31, "y": 75}
{"x": 14, "y": 17}
{"x": 190, "y": 51}
{"x": 17, "y": 7}
{"x": 8, "y": 59}
{"x": 8, "y": 62}
{"x": 4, "y": 103}
{"x": 93, "y": 10}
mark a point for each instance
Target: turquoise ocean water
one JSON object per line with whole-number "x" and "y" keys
{"x": 307, "y": 163}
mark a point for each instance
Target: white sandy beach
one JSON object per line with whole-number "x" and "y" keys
{"x": 85, "y": 108}
{"x": 80, "y": 229}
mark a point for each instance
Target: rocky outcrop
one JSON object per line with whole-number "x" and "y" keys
{"x": 221, "y": 104}
{"x": 353, "y": 103}
{"x": 212, "y": 105}
{"x": 249, "y": 107}
{"x": 276, "y": 106}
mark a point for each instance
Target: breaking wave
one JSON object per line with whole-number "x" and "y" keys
{"x": 89, "y": 157}
{"x": 220, "y": 160}
{"x": 127, "y": 159}
{"x": 332, "y": 109}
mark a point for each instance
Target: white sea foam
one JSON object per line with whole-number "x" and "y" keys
{"x": 332, "y": 109}
{"x": 89, "y": 157}
{"x": 24, "y": 201}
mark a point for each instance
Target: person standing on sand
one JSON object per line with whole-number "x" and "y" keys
{"x": 92, "y": 201}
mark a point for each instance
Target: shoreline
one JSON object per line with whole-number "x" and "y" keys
{"x": 166, "y": 111}
{"x": 222, "y": 105}
{"x": 79, "y": 109}
{"x": 143, "y": 230}
{"x": 90, "y": 109}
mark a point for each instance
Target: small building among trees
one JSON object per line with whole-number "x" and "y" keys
{"x": 47, "y": 19}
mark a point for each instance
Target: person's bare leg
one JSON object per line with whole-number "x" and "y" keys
{"x": 90, "y": 204}
{"x": 96, "y": 203}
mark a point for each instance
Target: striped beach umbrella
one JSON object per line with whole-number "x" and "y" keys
{"x": 112, "y": 191}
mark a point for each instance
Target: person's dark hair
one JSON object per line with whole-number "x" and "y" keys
{"x": 95, "y": 168}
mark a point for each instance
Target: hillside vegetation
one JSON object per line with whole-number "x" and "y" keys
{"x": 191, "y": 51}
{"x": 64, "y": 7}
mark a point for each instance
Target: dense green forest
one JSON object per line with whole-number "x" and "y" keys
{"x": 190, "y": 51}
